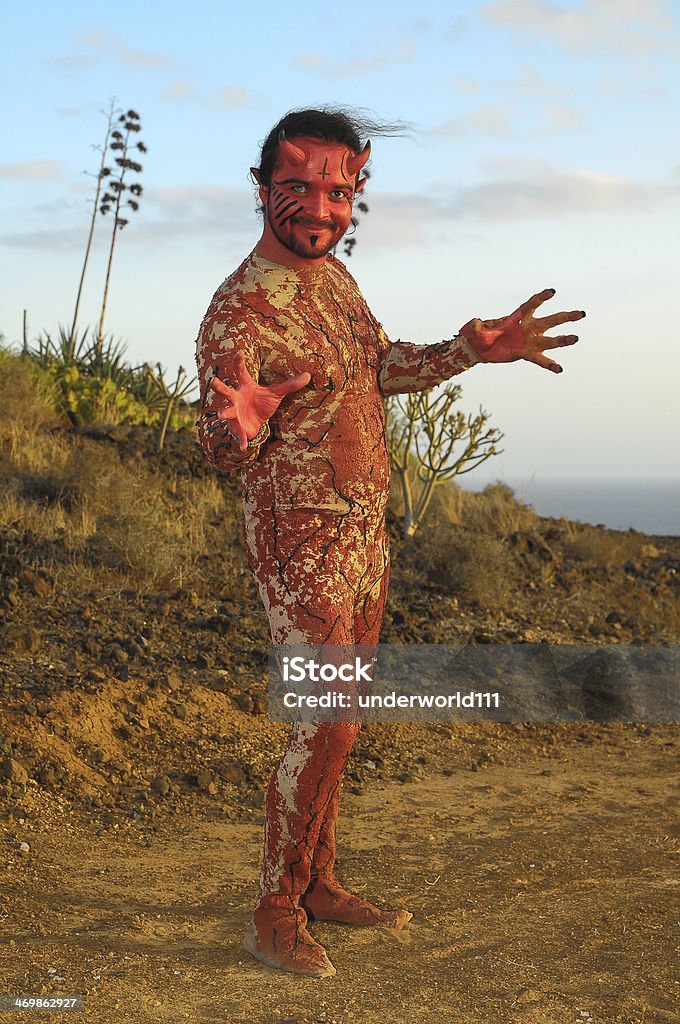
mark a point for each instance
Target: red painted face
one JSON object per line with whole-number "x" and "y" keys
{"x": 309, "y": 201}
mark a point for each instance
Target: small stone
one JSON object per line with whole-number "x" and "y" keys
{"x": 233, "y": 773}
{"x": 161, "y": 785}
{"x": 21, "y": 641}
{"x": 243, "y": 701}
{"x": 24, "y": 847}
{"x": 221, "y": 681}
{"x": 180, "y": 711}
{"x": 37, "y": 584}
{"x": 172, "y": 681}
{"x": 115, "y": 653}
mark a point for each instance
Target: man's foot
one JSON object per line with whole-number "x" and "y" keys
{"x": 326, "y": 900}
{"x": 278, "y": 937}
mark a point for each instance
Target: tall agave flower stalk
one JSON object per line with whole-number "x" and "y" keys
{"x": 121, "y": 195}
{"x": 103, "y": 173}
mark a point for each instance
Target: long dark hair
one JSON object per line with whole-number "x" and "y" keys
{"x": 353, "y": 128}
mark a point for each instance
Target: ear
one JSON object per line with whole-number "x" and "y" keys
{"x": 263, "y": 191}
{"x": 359, "y": 187}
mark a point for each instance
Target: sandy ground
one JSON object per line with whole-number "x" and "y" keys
{"x": 544, "y": 892}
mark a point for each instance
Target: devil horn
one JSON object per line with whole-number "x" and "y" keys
{"x": 295, "y": 155}
{"x": 355, "y": 163}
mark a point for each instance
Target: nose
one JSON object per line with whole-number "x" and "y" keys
{"x": 318, "y": 206}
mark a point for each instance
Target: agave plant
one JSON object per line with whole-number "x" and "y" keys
{"x": 103, "y": 173}
{"x": 67, "y": 348}
{"x": 114, "y": 198}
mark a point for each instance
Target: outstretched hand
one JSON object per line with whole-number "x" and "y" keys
{"x": 521, "y": 335}
{"x": 248, "y": 406}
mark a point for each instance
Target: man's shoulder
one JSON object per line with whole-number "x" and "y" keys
{"x": 239, "y": 282}
{"x": 339, "y": 273}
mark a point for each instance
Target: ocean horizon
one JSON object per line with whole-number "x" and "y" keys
{"x": 650, "y": 506}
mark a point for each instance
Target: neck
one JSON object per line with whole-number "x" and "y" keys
{"x": 269, "y": 248}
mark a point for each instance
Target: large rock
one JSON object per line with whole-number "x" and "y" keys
{"x": 19, "y": 641}
{"x": 13, "y": 771}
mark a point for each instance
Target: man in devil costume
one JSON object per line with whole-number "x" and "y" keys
{"x": 293, "y": 368}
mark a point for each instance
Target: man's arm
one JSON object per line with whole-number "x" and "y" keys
{"x": 220, "y": 343}
{"x": 406, "y": 367}
{"x": 235, "y": 408}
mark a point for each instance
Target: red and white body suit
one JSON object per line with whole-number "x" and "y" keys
{"x": 315, "y": 488}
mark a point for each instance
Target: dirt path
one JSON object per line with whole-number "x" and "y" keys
{"x": 544, "y": 893}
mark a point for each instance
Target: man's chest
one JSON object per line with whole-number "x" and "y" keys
{"x": 335, "y": 342}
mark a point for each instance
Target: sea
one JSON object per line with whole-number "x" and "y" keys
{"x": 650, "y": 506}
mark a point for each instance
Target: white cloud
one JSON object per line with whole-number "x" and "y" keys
{"x": 558, "y": 119}
{"x": 527, "y": 193}
{"x": 552, "y": 194}
{"x": 628, "y": 27}
{"x": 467, "y": 84}
{"x": 168, "y": 215}
{"x": 50, "y": 240}
{"x": 529, "y": 81}
{"x": 232, "y": 96}
{"x": 229, "y": 97}
{"x": 206, "y": 211}
{"x": 108, "y": 44}
{"x": 180, "y": 89}
{"x": 486, "y": 120}
{"x": 72, "y": 61}
{"x": 33, "y": 170}
{"x": 397, "y": 54}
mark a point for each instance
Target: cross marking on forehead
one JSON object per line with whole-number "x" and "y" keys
{"x": 323, "y": 172}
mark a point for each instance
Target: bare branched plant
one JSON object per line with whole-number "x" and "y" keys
{"x": 121, "y": 194}
{"x": 430, "y": 443}
{"x": 170, "y": 395}
{"x": 103, "y": 172}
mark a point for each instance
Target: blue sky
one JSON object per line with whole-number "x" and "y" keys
{"x": 544, "y": 154}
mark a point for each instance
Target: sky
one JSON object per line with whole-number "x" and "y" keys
{"x": 543, "y": 153}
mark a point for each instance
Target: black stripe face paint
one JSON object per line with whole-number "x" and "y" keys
{"x": 285, "y": 206}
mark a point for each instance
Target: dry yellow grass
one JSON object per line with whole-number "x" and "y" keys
{"x": 75, "y": 502}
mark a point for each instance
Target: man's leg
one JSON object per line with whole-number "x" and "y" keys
{"x": 299, "y": 795}
{"x": 307, "y": 569}
{"x": 326, "y": 899}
